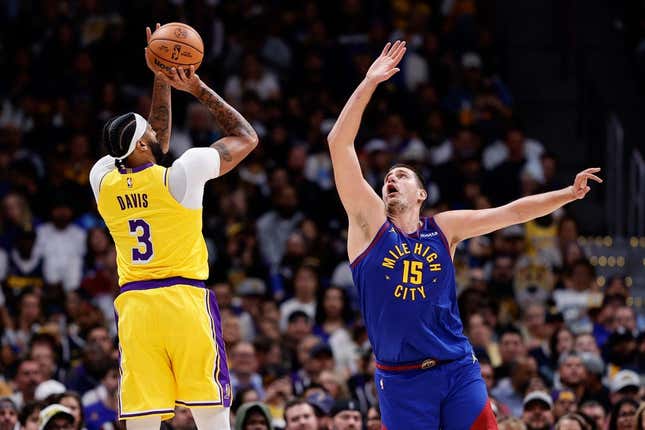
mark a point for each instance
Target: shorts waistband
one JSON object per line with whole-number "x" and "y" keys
{"x": 428, "y": 363}
{"x": 160, "y": 283}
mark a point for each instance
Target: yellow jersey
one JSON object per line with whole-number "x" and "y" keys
{"x": 155, "y": 236}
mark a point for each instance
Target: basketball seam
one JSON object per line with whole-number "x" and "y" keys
{"x": 178, "y": 41}
{"x": 182, "y": 65}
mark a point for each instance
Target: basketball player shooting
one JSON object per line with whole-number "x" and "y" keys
{"x": 172, "y": 351}
{"x": 427, "y": 376}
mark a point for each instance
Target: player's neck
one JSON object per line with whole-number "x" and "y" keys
{"x": 407, "y": 221}
{"x": 133, "y": 161}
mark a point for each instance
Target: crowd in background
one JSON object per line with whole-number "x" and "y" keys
{"x": 554, "y": 344}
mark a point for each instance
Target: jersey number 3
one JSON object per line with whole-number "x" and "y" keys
{"x": 142, "y": 253}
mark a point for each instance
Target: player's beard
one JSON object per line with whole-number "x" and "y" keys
{"x": 155, "y": 147}
{"x": 395, "y": 205}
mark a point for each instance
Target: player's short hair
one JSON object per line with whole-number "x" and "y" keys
{"x": 121, "y": 132}
{"x": 417, "y": 175}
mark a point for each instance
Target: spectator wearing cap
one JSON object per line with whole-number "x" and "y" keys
{"x": 56, "y": 417}
{"x": 538, "y": 411}
{"x": 250, "y": 291}
{"x": 596, "y": 411}
{"x": 300, "y": 415}
{"x": 346, "y": 415}
{"x": 322, "y": 403}
{"x": 510, "y": 390}
{"x": 624, "y": 385}
{"x": 564, "y": 402}
{"x": 244, "y": 367}
{"x": 573, "y": 374}
{"x": 8, "y": 415}
{"x": 305, "y": 287}
{"x": 253, "y": 416}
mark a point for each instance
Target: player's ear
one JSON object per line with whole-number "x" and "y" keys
{"x": 142, "y": 145}
{"x": 422, "y": 194}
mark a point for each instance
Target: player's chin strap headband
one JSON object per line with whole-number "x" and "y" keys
{"x": 139, "y": 131}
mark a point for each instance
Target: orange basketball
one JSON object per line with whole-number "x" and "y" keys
{"x": 175, "y": 45}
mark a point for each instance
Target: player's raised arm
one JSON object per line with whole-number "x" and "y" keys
{"x": 240, "y": 138}
{"x": 160, "y": 116}
{"x": 363, "y": 206}
{"x": 463, "y": 224}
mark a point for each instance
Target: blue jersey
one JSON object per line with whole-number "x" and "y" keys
{"x": 407, "y": 290}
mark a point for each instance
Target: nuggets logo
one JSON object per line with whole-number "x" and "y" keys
{"x": 411, "y": 286}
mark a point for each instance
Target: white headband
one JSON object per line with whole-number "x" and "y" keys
{"x": 139, "y": 131}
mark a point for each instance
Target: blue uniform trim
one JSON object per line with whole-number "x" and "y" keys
{"x": 443, "y": 236}
{"x": 159, "y": 283}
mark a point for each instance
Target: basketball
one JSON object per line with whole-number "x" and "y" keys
{"x": 175, "y": 45}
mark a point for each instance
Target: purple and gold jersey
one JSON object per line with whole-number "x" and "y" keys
{"x": 406, "y": 284}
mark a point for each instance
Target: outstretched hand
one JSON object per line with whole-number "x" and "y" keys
{"x": 580, "y": 187}
{"x": 384, "y": 67}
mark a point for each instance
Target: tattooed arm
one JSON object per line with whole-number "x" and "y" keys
{"x": 160, "y": 118}
{"x": 240, "y": 138}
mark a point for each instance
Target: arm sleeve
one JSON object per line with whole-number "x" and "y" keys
{"x": 190, "y": 172}
{"x": 101, "y": 168}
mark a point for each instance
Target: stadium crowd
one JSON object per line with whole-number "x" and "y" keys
{"x": 557, "y": 349}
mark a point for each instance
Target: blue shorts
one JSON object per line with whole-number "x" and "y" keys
{"x": 451, "y": 396}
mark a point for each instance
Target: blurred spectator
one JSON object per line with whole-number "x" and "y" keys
{"x": 346, "y": 415}
{"x": 623, "y": 415}
{"x": 305, "y": 287}
{"x": 62, "y": 245}
{"x": 8, "y": 414}
{"x": 624, "y": 385}
{"x": 54, "y": 417}
{"x": 72, "y": 401}
{"x": 275, "y": 226}
{"x": 299, "y": 415}
{"x": 104, "y": 409}
{"x": 253, "y": 416}
{"x": 244, "y": 368}
{"x": 573, "y": 374}
{"x": 25, "y": 381}
{"x": 564, "y": 402}
{"x": 511, "y": 347}
{"x": 373, "y": 418}
{"x": 510, "y": 390}
{"x": 538, "y": 411}
{"x": 183, "y": 419}
{"x": 29, "y": 416}
{"x": 596, "y": 412}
